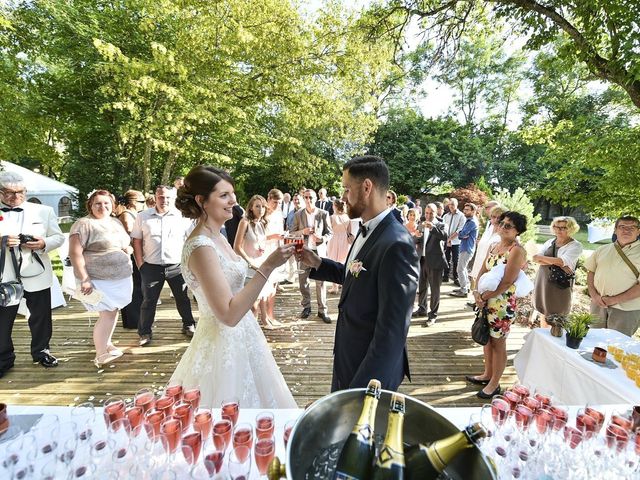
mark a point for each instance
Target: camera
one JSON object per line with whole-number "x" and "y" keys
{"x": 26, "y": 238}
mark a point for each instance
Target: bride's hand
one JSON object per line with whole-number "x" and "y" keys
{"x": 279, "y": 256}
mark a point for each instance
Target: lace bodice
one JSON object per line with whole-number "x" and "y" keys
{"x": 235, "y": 270}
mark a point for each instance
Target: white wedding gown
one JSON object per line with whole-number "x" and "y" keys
{"x": 224, "y": 361}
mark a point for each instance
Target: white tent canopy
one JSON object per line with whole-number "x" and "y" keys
{"x": 45, "y": 190}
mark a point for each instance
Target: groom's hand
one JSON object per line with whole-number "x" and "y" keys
{"x": 309, "y": 258}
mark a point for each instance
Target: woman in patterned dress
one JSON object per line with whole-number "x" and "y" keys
{"x": 500, "y": 304}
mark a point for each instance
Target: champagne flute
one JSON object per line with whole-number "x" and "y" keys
{"x": 298, "y": 242}
{"x": 203, "y": 422}
{"x": 191, "y": 446}
{"x": 264, "y": 452}
{"x": 265, "y": 425}
{"x": 152, "y": 421}
{"x": 135, "y": 415}
{"x": 243, "y": 435}
{"x": 223, "y": 428}
{"x": 165, "y": 404}
{"x": 184, "y": 412}
{"x": 84, "y": 415}
{"x": 192, "y": 396}
{"x": 174, "y": 389}
{"x": 114, "y": 409}
{"x": 170, "y": 431}
{"x": 145, "y": 398}
{"x": 231, "y": 409}
{"x": 288, "y": 427}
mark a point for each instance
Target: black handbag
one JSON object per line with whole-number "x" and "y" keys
{"x": 10, "y": 292}
{"x": 480, "y": 328}
{"x": 558, "y": 276}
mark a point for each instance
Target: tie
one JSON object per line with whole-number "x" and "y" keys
{"x": 363, "y": 230}
{"x": 9, "y": 209}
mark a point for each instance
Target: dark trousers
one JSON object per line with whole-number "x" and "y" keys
{"x": 39, "y": 304}
{"x": 153, "y": 278}
{"x": 451, "y": 254}
{"x": 430, "y": 278}
{"x": 131, "y": 313}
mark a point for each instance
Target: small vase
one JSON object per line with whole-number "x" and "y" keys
{"x": 556, "y": 330}
{"x": 573, "y": 342}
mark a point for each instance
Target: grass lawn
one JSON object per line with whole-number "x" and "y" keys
{"x": 581, "y": 236}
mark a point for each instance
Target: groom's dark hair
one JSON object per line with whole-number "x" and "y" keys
{"x": 371, "y": 167}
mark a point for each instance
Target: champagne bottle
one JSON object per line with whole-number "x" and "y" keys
{"x": 427, "y": 461}
{"x": 356, "y": 458}
{"x": 390, "y": 463}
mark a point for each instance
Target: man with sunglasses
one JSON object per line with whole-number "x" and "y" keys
{"x": 32, "y": 231}
{"x": 613, "y": 279}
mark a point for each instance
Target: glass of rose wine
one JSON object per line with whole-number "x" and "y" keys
{"x": 265, "y": 424}
{"x": 231, "y": 409}
{"x": 145, "y": 398}
{"x": 192, "y": 396}
{"x": 114, "y": 409}
{"x": 170, "y": 434}
{"x": 184, "y": 412}
{"x": 152, "y": 421}
{"x": 223, "y": 428}
{"x": 165, "y": 404}
{"x": 264, "y": 451}
{"x": 203, "y": 422}
{"x": 135, "y": 415}
{"x": 287, "y": 432}
{"x": 174, "y": 389}
{"x": 191, "y": 446}
{"x": 243, "y": 435}
{"x": 298, "y": 242}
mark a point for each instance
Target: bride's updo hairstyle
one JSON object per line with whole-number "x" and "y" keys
{"x": 201, "y": 180}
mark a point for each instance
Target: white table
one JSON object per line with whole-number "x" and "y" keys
{"x": 546, "y": 362}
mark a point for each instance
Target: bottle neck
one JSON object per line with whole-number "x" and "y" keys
{"x": 393, "y": 441}
{"x": 367, "y": 417}
{"x": 441, "y": 452}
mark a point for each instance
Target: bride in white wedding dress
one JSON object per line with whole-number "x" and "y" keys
{"x": 228, "y": 355}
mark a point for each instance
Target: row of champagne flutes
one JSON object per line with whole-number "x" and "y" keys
{"x": 155, "y": 437}
{"x": 533, "y": 437}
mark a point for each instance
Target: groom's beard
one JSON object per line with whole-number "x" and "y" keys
{"x": 355, "y": 210}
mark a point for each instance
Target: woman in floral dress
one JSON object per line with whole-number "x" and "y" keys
{"x": 500, "y": 304}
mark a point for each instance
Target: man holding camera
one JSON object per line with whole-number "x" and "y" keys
{"x": 32, "y": 231}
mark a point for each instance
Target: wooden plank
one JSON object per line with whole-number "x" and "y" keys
{"x": 440, "y": 356}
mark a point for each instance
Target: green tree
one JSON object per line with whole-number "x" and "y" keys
{"x": 520, "y": 202}
{"x": 602, "y": 34}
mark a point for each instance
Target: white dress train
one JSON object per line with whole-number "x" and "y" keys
{"x": 227, "y": 361}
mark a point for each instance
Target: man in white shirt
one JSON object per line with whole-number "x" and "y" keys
{"x": 454, "y": 221}
{"x": 158, "y": 236}
{"x": 313, "y": 223}
{"x": 32, "y": 231}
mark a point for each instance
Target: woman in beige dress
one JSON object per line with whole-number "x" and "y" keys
{"x": 101, "y": 257}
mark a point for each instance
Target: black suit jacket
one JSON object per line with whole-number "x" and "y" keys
{"x": 375, "y": 308}
{"x": 434, "y": 253}
{"x": 231, "y": 225}
{"x": 326, "y": 205}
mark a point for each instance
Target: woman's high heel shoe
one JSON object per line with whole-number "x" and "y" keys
{"x": 103, "y": 359}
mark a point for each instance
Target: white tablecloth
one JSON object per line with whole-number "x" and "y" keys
{"x": 546, "y": 362}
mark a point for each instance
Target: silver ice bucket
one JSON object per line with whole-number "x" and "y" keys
{"x": 330, "y": 420}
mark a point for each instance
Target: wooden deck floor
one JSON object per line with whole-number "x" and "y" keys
{"x": 440, "y": 356}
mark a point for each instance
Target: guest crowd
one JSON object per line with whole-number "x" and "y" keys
{"x": 125, "y": 249}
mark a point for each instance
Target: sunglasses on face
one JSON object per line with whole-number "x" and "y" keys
{"x": 308, "y": 198}
{"x": 506, "y": 226}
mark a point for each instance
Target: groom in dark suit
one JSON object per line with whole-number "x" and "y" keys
{"x": 379, "y": 282}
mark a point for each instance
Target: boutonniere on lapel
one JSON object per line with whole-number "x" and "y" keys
{"x": 355, "y": 267}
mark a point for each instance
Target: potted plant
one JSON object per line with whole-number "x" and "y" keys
{"x": 557, "y": 324}
{"x": 577, "y": 327}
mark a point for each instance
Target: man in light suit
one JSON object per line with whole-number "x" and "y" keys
{"x": 41, "y": 224}
{"x": 432, "y": 264}
{"x": 379, "y": 282}
{"x": 313, "y": 223}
